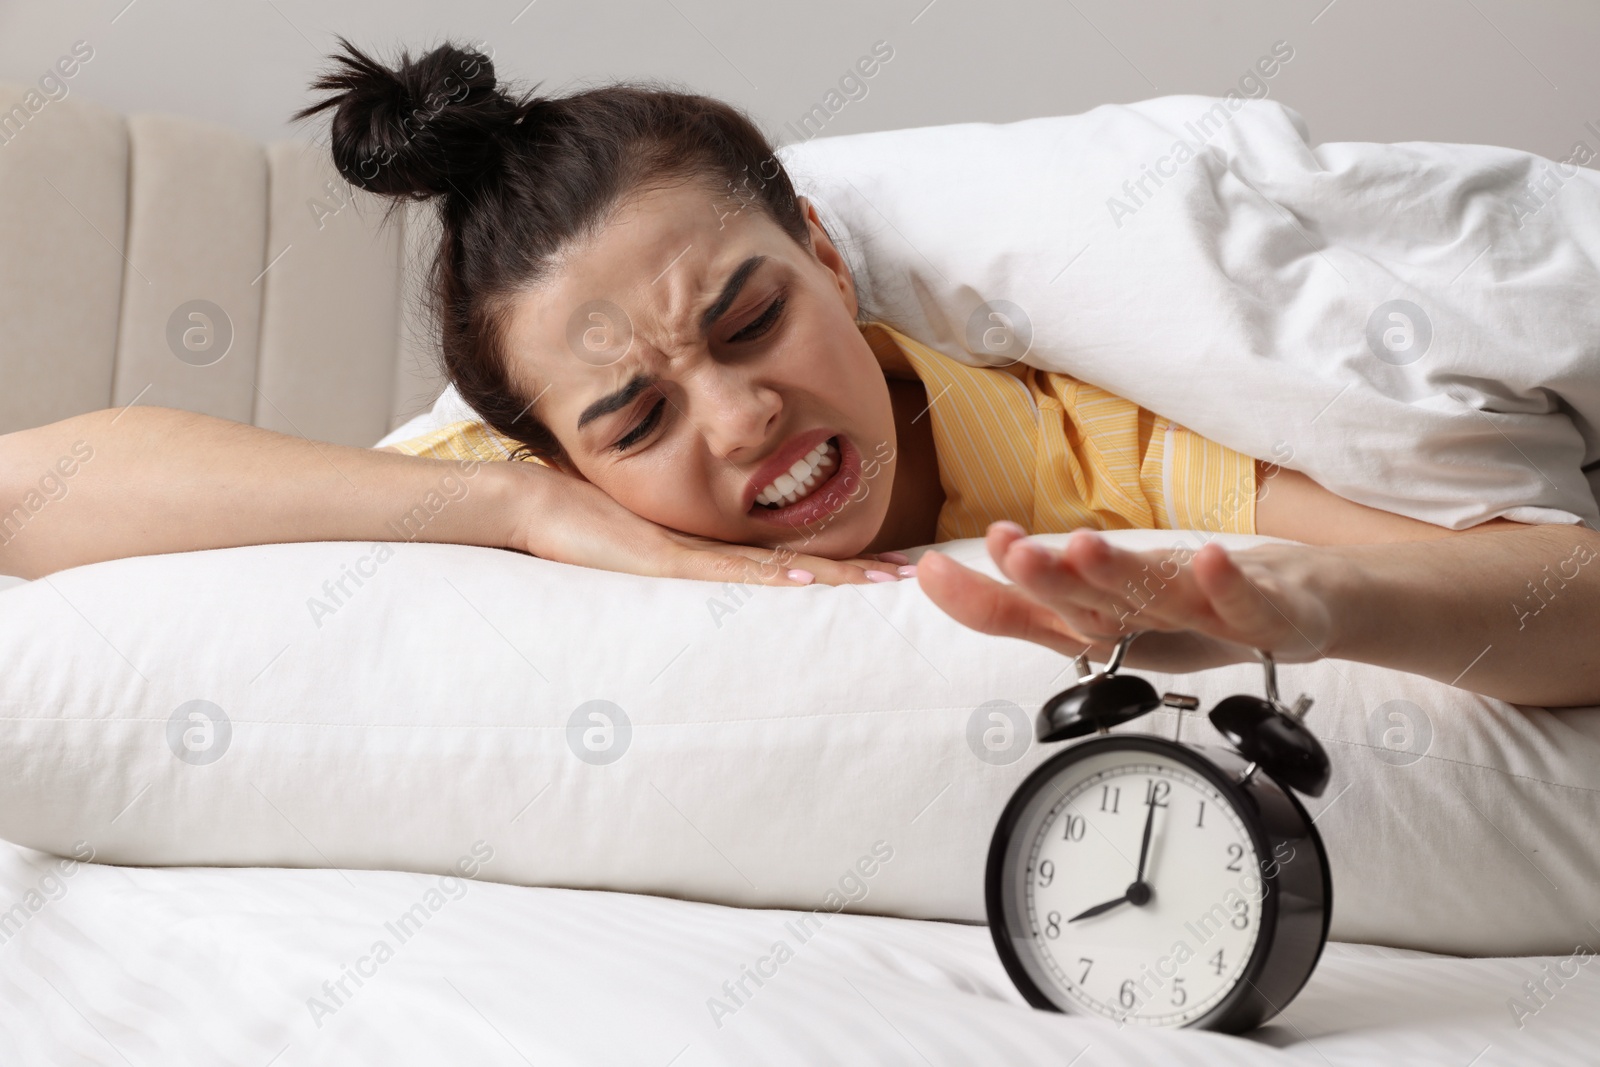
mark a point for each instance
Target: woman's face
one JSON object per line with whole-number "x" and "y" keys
{"x": 690, "y": 353}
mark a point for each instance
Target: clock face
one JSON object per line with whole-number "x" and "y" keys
{"x": 1161, "y": 946}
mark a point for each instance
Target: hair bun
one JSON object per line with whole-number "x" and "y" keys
{"x": 429, "y": 126}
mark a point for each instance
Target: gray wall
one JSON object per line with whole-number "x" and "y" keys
{"x": 1521, "y": 73}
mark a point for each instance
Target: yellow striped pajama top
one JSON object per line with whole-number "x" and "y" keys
{"x": 1040, "y": 448}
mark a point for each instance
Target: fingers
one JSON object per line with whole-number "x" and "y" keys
{"x": 1237, "y": 603}
{"x": 1084, "y": 581}
{"x": 1154, "y": 591}
{"x": 869, "y": 570}
{"x": 753, "y": 564}
{"x": 1089, "y": 594}
{"x": 983, "y": 604}
{"x": 1104, "y": 592}
{"x": 1000, "y": 537}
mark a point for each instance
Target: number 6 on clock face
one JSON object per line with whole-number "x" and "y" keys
{"x": 1141, "y": 880}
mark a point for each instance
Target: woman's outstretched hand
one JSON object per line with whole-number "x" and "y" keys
{"x": 1199, "y": 608}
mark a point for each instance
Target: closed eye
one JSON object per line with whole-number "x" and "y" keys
{"x": 641, "y": 431}
{"x": 763, "y": 323}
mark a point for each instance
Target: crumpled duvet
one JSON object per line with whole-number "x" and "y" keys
{"x": 1416, "y": 326}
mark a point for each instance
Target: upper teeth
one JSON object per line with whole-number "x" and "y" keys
{"x": 801, "y": 478}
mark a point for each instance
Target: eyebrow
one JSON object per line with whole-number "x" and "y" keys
{"x": 640, "y": 382}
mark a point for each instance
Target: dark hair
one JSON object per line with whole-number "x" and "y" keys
{"x": 518, "y": 177}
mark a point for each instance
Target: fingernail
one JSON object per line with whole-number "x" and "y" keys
{"x": 803, "y": 577}
{"x": 908, "y": 571}
{"x": 894, "y": 557}
{"x": 1013, "y": 527}
{"x": 881, "y": 576}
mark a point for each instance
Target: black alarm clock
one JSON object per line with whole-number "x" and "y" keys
{"x": 1162, "y": 883}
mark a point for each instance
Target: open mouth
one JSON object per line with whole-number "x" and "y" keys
{"x": 802, "y": 479}
{"x": 800, "y": 495}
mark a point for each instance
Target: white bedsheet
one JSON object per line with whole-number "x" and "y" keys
{"x": 118, "y": 965}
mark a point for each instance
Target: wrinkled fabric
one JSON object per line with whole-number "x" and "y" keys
{"x": 1416, "y": 326}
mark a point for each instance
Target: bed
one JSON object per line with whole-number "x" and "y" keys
{"x": 272, "y": 956}
{"x": 126, "y": 965}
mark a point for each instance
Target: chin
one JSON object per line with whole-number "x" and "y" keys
{"x": 845, "y": 538}
{"x": 831, "y": 547}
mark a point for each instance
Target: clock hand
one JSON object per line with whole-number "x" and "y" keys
{"x": 1138, "y": 893}
{"x": 1144, "y": 846}
{"x": 1098, "y": 908}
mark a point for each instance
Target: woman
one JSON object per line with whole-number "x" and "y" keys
{"x": 677, "y": 349}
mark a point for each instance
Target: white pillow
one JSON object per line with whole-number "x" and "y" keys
{"x": 387, "y": 706}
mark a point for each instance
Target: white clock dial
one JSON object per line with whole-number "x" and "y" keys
{"x": 1161, "y": 955}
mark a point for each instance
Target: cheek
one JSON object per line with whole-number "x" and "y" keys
{"x": 672, "y": 489}
{"x": 867, "y": 403}
{"x": 845, "y": 375}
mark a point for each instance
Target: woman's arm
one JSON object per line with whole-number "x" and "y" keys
{"x": 147, "y": 480}
{"x": 1513, "y": 614}
{"x": 1289, "y": 504}
{"x": 1504, "y": 609}
{"x": 1516, "y": 615}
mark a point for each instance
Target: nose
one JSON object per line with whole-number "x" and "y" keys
{"x": 736, "y": 412}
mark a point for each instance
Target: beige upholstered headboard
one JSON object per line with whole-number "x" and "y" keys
{"x": 172, "y": 262}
